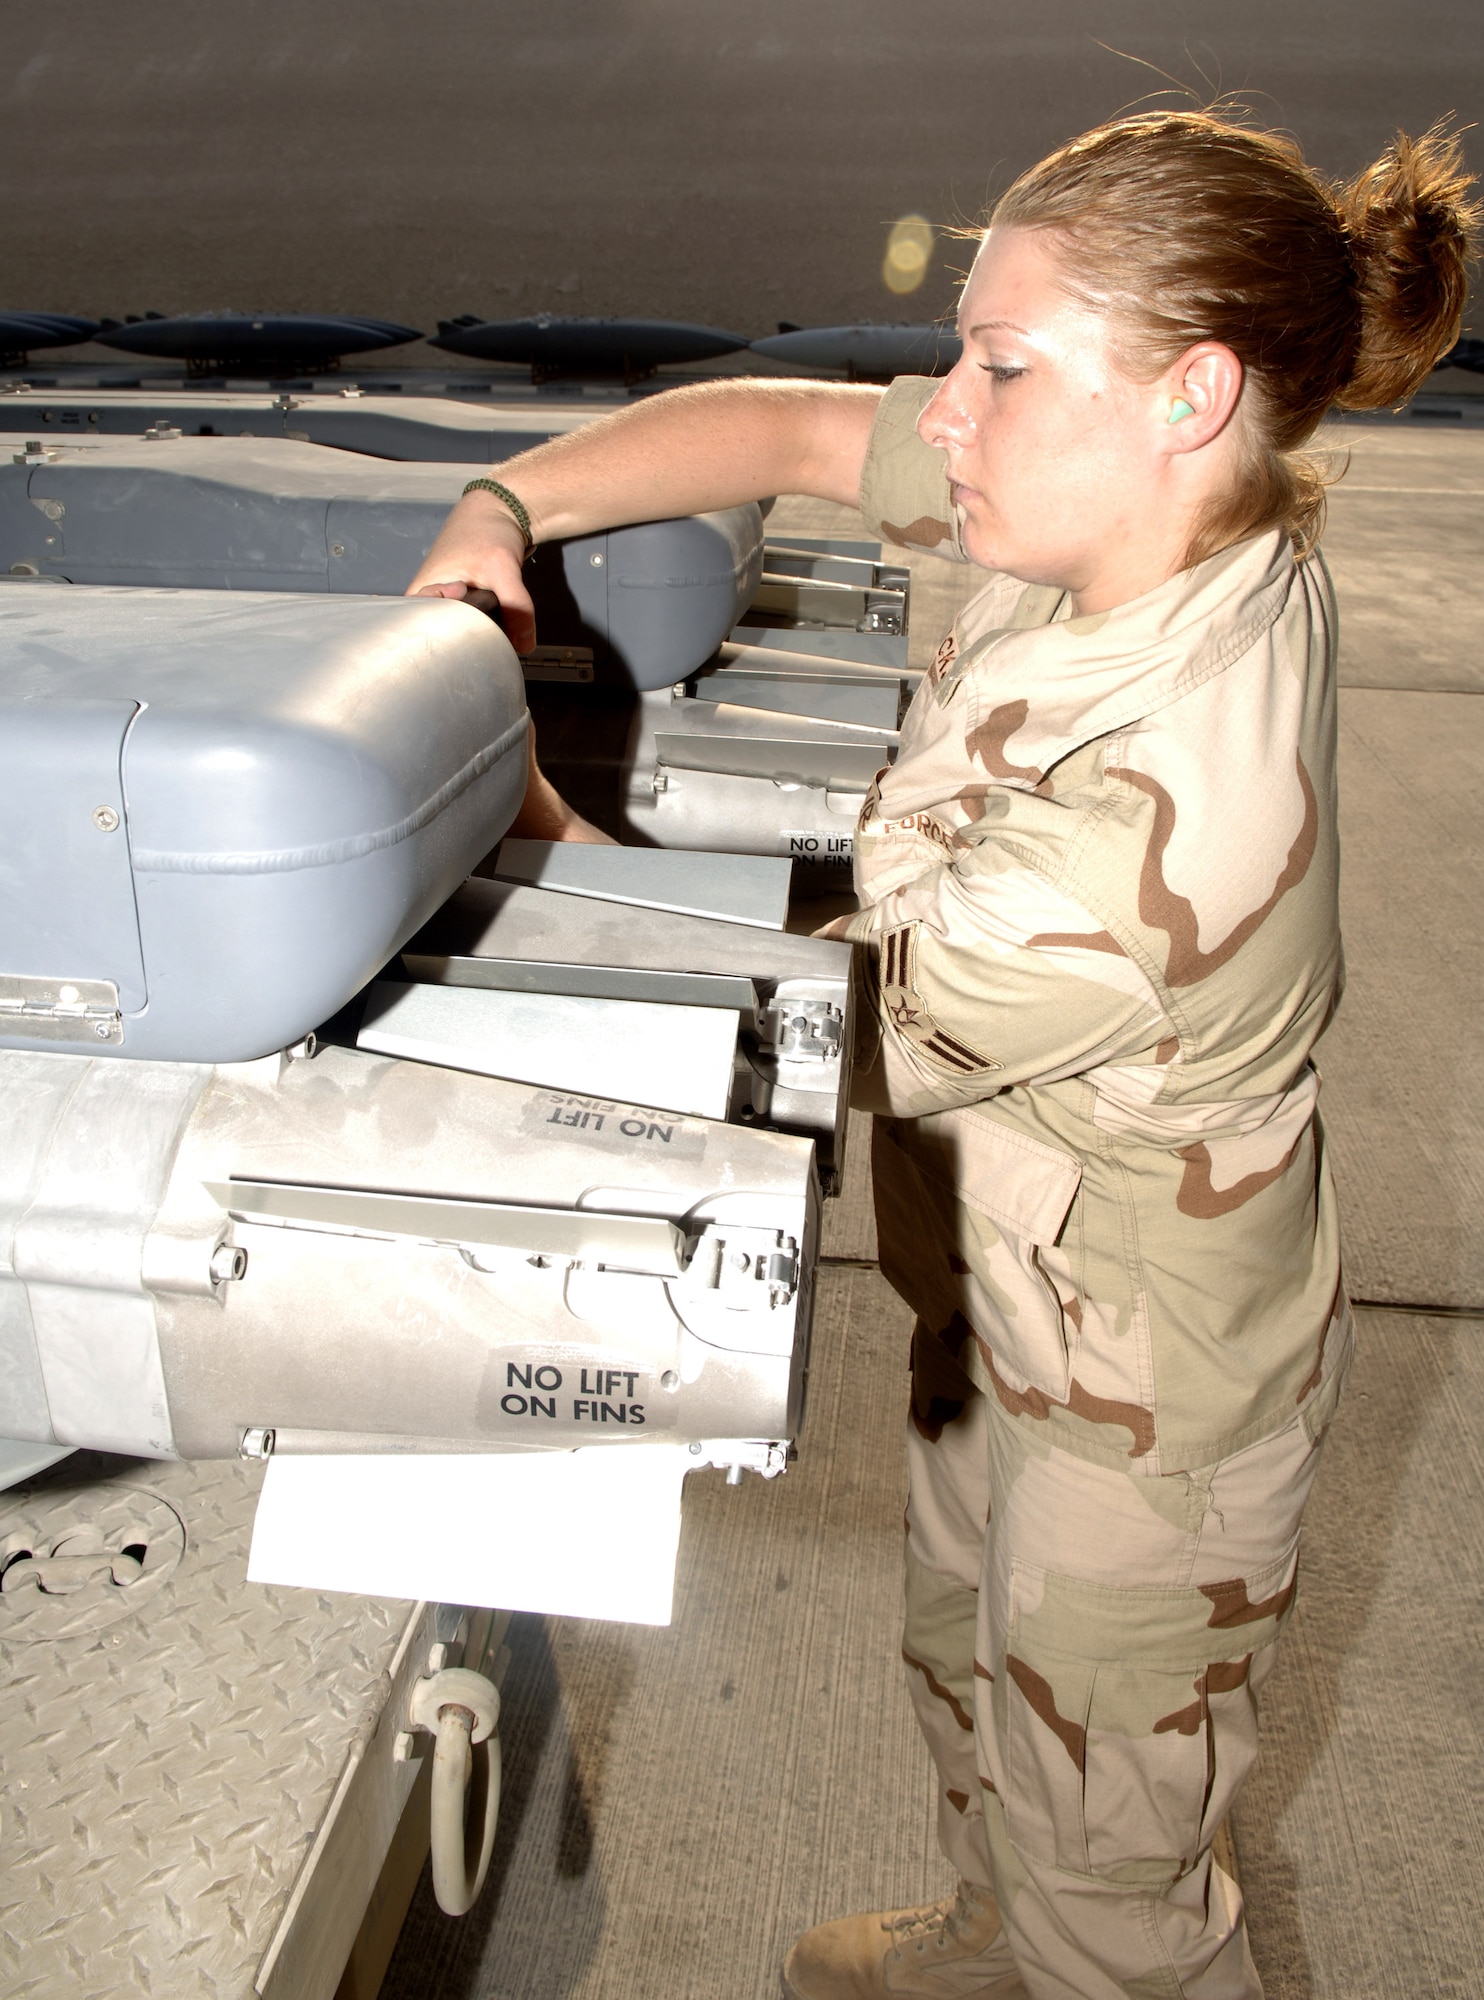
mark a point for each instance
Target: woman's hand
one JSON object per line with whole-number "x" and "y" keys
{"x": 477, "y": 557}
{"x": 480, "y": 549}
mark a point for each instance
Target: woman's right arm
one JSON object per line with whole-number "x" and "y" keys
{"x": 687, "y": 451}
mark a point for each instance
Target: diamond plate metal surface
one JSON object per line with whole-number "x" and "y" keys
{"x": 165, "y": 1774}
{"x": 121, "y": 1545}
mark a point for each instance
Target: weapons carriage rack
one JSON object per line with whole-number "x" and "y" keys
{"x": 289, "y": 1038}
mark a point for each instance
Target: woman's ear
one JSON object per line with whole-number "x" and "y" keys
{"x": 1194, "y": 399}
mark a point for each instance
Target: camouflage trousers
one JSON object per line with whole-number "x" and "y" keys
{"x": 1084, "y": 1649}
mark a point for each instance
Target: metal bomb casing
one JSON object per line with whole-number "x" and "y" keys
{"x": 357, "y": 1253}
{"x": 649, "y": 602}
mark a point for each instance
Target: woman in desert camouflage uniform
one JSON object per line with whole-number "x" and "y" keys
{"x": 1098, "y": 941}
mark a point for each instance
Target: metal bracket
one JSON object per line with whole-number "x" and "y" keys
{"x": 748, "y": 1267}
{"x": 881, "y": 615}
{"x": 828, "y": 762}
{"x": 803, "y": 602}
{"x": 768, "y": 1458}
{"x": 801, "y": 1030}
{"x": 751, "y": 1268}
{"x": 648, "y": 1245}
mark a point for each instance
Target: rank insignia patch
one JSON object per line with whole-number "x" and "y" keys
{"x": 907, "y": 1011}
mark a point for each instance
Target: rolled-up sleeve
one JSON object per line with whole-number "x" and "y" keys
{"x": 982, "y": 974}
{"x": 905, "y": 495}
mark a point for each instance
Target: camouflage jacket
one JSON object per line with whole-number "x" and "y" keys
{"x": 1099, "y": 892}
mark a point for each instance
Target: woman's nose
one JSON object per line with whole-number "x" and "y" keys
{"x": 946, "y": 420}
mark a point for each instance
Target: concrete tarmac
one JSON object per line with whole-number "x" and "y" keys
{"x": 737, "y": 165}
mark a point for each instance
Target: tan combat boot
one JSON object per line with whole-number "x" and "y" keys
{"x": 953, "y": 1950}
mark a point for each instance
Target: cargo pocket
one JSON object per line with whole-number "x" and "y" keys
{"x": 1127, "y": 1726}
{"x": 1023, "y": 1185}
{"x": 1013, "y": 1194}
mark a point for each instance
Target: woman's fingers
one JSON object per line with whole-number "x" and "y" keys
{"x": 511, "y": 607}
{"x": 517, "y": 613}
{"x": 480, "y": 548}
{"x": 489, "y": 580}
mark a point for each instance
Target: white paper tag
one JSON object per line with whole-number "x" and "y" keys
{"x": 592, "y": 1533}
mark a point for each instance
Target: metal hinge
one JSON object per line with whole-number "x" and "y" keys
{"x": 60, "y": 1010}
{"x": 558, "y": 663}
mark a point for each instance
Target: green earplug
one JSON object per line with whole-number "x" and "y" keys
{"x": 1181, "y": 410}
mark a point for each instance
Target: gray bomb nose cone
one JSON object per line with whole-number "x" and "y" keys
{"x": 868, "y": 352}
{"x": 551, "y": 343}
{"x": 236, "y": 339}
{"x": 20, "y": 331}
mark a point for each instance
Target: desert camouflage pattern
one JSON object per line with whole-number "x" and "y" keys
{"x": 1100, "y": 887}
{"x": 1100, "y": 939}
{"x": 1086, "y": 1676}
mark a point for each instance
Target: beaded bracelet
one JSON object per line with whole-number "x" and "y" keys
{"x": 513, "y": 502}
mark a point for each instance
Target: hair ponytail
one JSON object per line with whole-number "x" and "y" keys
{"x": 1409, "y": 220}
{"x": 1186, "y": 226}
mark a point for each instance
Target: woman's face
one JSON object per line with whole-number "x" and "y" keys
{"x": 1060, "y": 462}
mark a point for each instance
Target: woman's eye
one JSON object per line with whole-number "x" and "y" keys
{"x": 1000, "y": 371}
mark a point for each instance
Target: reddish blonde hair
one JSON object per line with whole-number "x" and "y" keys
{"x": 1187, "y": 226}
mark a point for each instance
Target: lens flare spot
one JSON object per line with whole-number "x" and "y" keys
{"x": 909, "y": 251}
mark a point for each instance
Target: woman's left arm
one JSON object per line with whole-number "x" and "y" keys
{"x": 981, "y": 974}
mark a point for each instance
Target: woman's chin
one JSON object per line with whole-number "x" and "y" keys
{"x": 986, "y": 550}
